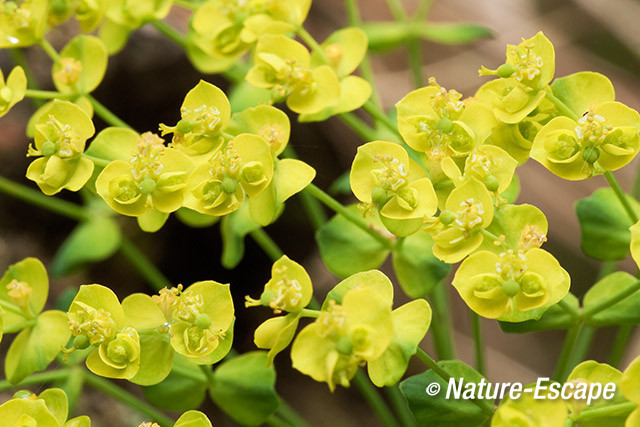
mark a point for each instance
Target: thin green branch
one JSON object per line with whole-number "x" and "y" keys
{"x": 267, "y": 244}
{"x": 16, "y": 327}
{"x": 19, "y": 59}
{"x": 313, "y": 44}
{"x": 186, "y": 4}
{"x": 358, "y": 126}
{"x": 620, "y": 344}
{"x": 52, "y": 204}
{"x": 47, "y": 94}
{"x": 568, "y": 308}
{"x": 142, "y": 265}
{"x": 582, "y": 347}
{"x": 414, "y": 47}
{"x": 50, "y": 50}
{"x": 561, "y": 106}
{"x": 171, "y": 33}
{"x": 105, "y": 114}
{"x": 478, "y": 343}
{"x": 441, "y": 323}
{"x": 39, "y": 378}
{"x": 423, "y": 10}
{"x": 381, "y": 117}
{"x": 109, "y": 388}
{"x": 347, "y": 214}
{"x": 612, "y": 300}
{"x": 615, "y": 186}
{"x": 400, "y": 406}
{"x": 374, "y": 399}
{"x": 562, "y": 368}
{"x": 606, "y": 412}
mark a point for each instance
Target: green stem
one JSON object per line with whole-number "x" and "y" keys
{"x": 267, "y": 244}
{"x": 423, "y": 10}
{"x": 109, "y": 388}
{"x": 606, "y": 411}
{"x": 170, "y": 33}
{"x": 96, "y": 160}
{"x": 569, "y": 308}
{"x": 313, "y": 44}
{"x": 400, "y": 406}
{"x": 52, "y": 204}
{"x": 562, "y": 369}
{"x": 47, "y": 94}
{"x": 478, "y": 342}
{"x": 374, "y": 399}
{"x": 441, "y": 322}
{"x": 620, "y": 344}
{"x": 73, "y": 386}
{"x": 18, "y": 327}
{"x": 432, "y": 364}
{"x": 290, "y": 415}
{"x": 414, "y": 47}
{"x": 359, "y": 126}
{"x": 18, "y": 58}
{"x": 185, "y": 4}
{"x": 306, "y": 312}
{"x": 561, "y": 106}
{"x": 582, "y": 347}
{"x": 12, "y": 308}
{"x": 142, "y": 264}
{"x": 612, "y": 300}
{"x": 53, "y": 54}
{"x": 350, "y": 216}
{"x": 105, "y": 114}
{"x": 615, "y": 186}
{"x": 397, "y": 10}
{"x": 39, "y": 378}
{"x": 381, "y": 117}
{"x": 635, "y": 190}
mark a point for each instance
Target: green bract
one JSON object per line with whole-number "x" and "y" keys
{"x": 201, "y": 320}
{"x": 284, "y": 66}
{"x": 437, "y": 122}
{"x": 529, "y": 412}
{"x": 61, "y": 133}
{"x": 12, "y": 91}
{"x": 458, "y": 231}
{"x": 344, "y": 50}
{"x": 604, "y": 139}
{"x": 629, "y": 388}
{"x": 383, "y": 177}
{"x": 82, "y": 64}
{"x": 204, "y": 113}
{"x": 242, "y": 166}
{"x": 511, "y": 287}
{"x": 150, "y": 186}
{"x": 49, "y": 409}
{"x": 221, "y": 31}
{"x": 289, "y": 288}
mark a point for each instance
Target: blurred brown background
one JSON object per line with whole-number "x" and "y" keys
{"x": 145, "y": 85}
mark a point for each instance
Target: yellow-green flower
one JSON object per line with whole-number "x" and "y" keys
{"x": 458, "y": 232}
{"x": 284, "y": 66}
{"x": 488, "y": 164}
{"x": 133, "y": 14}
{"x": 265, "y": 121}
{"x": 383, "y": 176}
{"x": 22, "y": 23}
{"x": 48, "y": 409}
{"x": 604, "y": 139}
{"x": 630, "y": 390}
{"x": 155, "y": 179}
{"x": 344, "y": 336}
{"x": 531, "y": 62}
{"x": 204, "y": 114}
{"x": 61, "y": 134}
{"x": 344, "y": 50}
{"x": 118, "y": 357}
{"x": 90, "y": 13}
{"x": 200, "y": 318}
{"x": 12, "y": 91}
{"x": 289, "y": 288}
{"x": 438, "y": 123}
{"x": 529, "y": 412}
{"x": 512, "y": 286}
{"x": 243, "y": 165}
{"x": 223, "y": 30}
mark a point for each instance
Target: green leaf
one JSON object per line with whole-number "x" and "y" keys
{"x": 57, "y": 402}
{"x": 438, "y": 411}
{"x": 114, "y": 143}
{"x": 34, "y": 348}
{"x": 417, "y": 269}
{"x": 385, "y": 36}
{"x": 452, "y": 33}
{"x": 246, "y": 382}
{"x": 554, "y": 318}
{"x": 626, "y": 312}
{"x": 605, "y": 225}
{"x": 347, "y": 249}
{"x": 91, "y": 241}
{"x": 185, "y": 388}
{"x": 580, "y": 90}
{"x": 233, "y": 228}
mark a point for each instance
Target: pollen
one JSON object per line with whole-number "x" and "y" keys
{"x": 332, "y": 321}
{"x": 70, "y": 71}
{"x": 20, "y": 293}
{"x": 392, "y": 175}
{"x": 146, "y": 162}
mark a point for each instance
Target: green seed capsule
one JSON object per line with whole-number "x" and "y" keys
{"x": 447, "y": 217}
{"x": 147, "y": 186}
{"x": 48, "y": 149}
{"x": 510, "y": 287}
{"x": 203, "y": 321}
{"x": 229, "y": 185}
{"x": 81, "y": 342}
{"x": 492, "y": 183}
